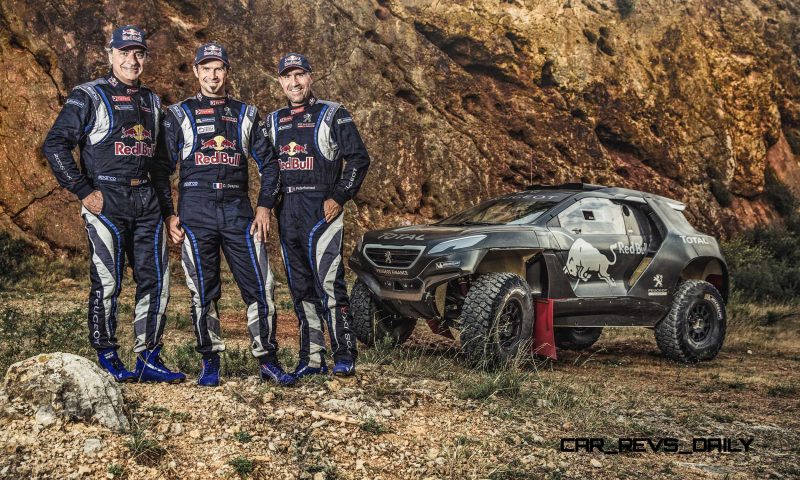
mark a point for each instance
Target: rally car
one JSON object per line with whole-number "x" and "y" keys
{"x": 548, "y": 267}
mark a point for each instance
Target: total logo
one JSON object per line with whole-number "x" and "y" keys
{"x": 293, "y": 149}
{"x": 219, "y": 157}
{"x": 695, "y": 240}
{"x": 140, "y": 148}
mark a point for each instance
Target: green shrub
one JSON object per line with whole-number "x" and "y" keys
{"x": 764, "y": 264}
{"x": 242, "y": 465}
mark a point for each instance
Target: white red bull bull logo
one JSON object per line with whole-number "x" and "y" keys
{"x": 140, "y": 147}
{"x": 293, "y": 149}
{"x": 584, "y": 260}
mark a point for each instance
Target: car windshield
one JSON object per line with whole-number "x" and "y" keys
{"x": 512, "y": 210}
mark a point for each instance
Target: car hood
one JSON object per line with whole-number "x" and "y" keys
{"x": 430, "y": 235}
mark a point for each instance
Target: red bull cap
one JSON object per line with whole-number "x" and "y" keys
{"x": 128, "y": 36}
{"x": 211, "y": 51}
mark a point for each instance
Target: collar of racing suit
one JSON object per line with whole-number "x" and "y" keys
{"x": 204, "y": 99}
{"x": 121, "y": 86}
{"x": 299, "y": 108}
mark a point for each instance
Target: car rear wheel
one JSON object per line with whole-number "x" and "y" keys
{"x": 694, "y": 329}
{"x": 372, "y": 323}
{"x": 577, "y": 338}
{"x": 497, "y": 319}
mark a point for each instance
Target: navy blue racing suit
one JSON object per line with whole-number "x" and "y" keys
{"x": 116, "y": 126}
{"x": 211, "y": 139}
{"x": 322, "y": 156}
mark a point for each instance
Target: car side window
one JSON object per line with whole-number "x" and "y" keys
{"x": 593, "y": 216}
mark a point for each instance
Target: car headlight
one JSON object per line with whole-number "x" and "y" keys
{"x": 457, "y": 244}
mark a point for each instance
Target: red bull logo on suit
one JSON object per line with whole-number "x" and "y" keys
{"x": 219, "y": 157}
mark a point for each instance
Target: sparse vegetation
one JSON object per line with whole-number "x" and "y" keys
{"x": 242, "y": 466}
{"x": 25, "y": 334}
{"x": 145, "y": 450}
{"x": 243, "y": 437}
{"x": 374, "y": 427}
{"x": 116, "y": 470}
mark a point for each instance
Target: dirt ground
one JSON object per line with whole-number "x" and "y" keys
{"x": 419, "y": 412}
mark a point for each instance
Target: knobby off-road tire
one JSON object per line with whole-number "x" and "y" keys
{"x": 372, "y": 323}
{"x": 497, "y": 319}
{"x": 694, "y": 329}
{"x": 577, "y": 338}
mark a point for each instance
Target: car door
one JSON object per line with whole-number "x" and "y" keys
{"x": 594, "y": 247}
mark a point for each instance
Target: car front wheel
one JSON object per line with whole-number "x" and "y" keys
{"x": 497, "y": 319}
{"x": 694, "y": 329}
{"x": 372, "y": 323}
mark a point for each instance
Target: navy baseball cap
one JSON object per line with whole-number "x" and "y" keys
{"x": 128, "y": 36}
{"x": 211, "y": 51}
{"x": 293, "y": 60}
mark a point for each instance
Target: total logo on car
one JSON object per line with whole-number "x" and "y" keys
{"x": 546, "y": 268}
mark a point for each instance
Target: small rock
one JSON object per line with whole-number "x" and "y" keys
{"x": 334, "y": 385}
{"x": 84, "y": 469}
{"x": 176, "y": 429}
{"x": 433, "y": 453}
{"x": 92, "y": 445}
{"x": 45, "y": 416}
{"x": 537, "y": 438}
{"x": 172, "y": 464}
{"x": 595, "y": 463}
{"x": 195, "y": 433}
{"x": 268, "y": 397}
{"x": 749, "y": 352}
{"x": 319, "y": 476}
{"x": 318, "y": 424}
{"x": 359, "y": 464}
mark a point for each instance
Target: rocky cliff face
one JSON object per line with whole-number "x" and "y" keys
{"x": 457, "y": 101}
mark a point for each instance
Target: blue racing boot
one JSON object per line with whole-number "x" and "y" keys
{"x": 150, "y": 368}
{"x": 110, "y": 362}
{"x": 303, "y": 370}
{"x": 344, "y": 368}
{"x": 272, "y": 371}
{"x": 209, "y": 376}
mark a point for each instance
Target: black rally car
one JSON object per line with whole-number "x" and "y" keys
{"x": 547, "y": 267}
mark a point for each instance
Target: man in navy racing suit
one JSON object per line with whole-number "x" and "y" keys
{"x": 211, "y": 135}
{"x": 114, "y": 121}
{"x": 323, "y": 163}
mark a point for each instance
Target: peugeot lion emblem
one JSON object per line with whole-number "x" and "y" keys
{"x": 388, "y": 258}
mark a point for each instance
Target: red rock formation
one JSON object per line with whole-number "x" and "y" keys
{"x": 457, "y": 101}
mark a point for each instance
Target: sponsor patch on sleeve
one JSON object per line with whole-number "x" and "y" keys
{"x": 344, "y": 120}
{"x": 77, "y": 103}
